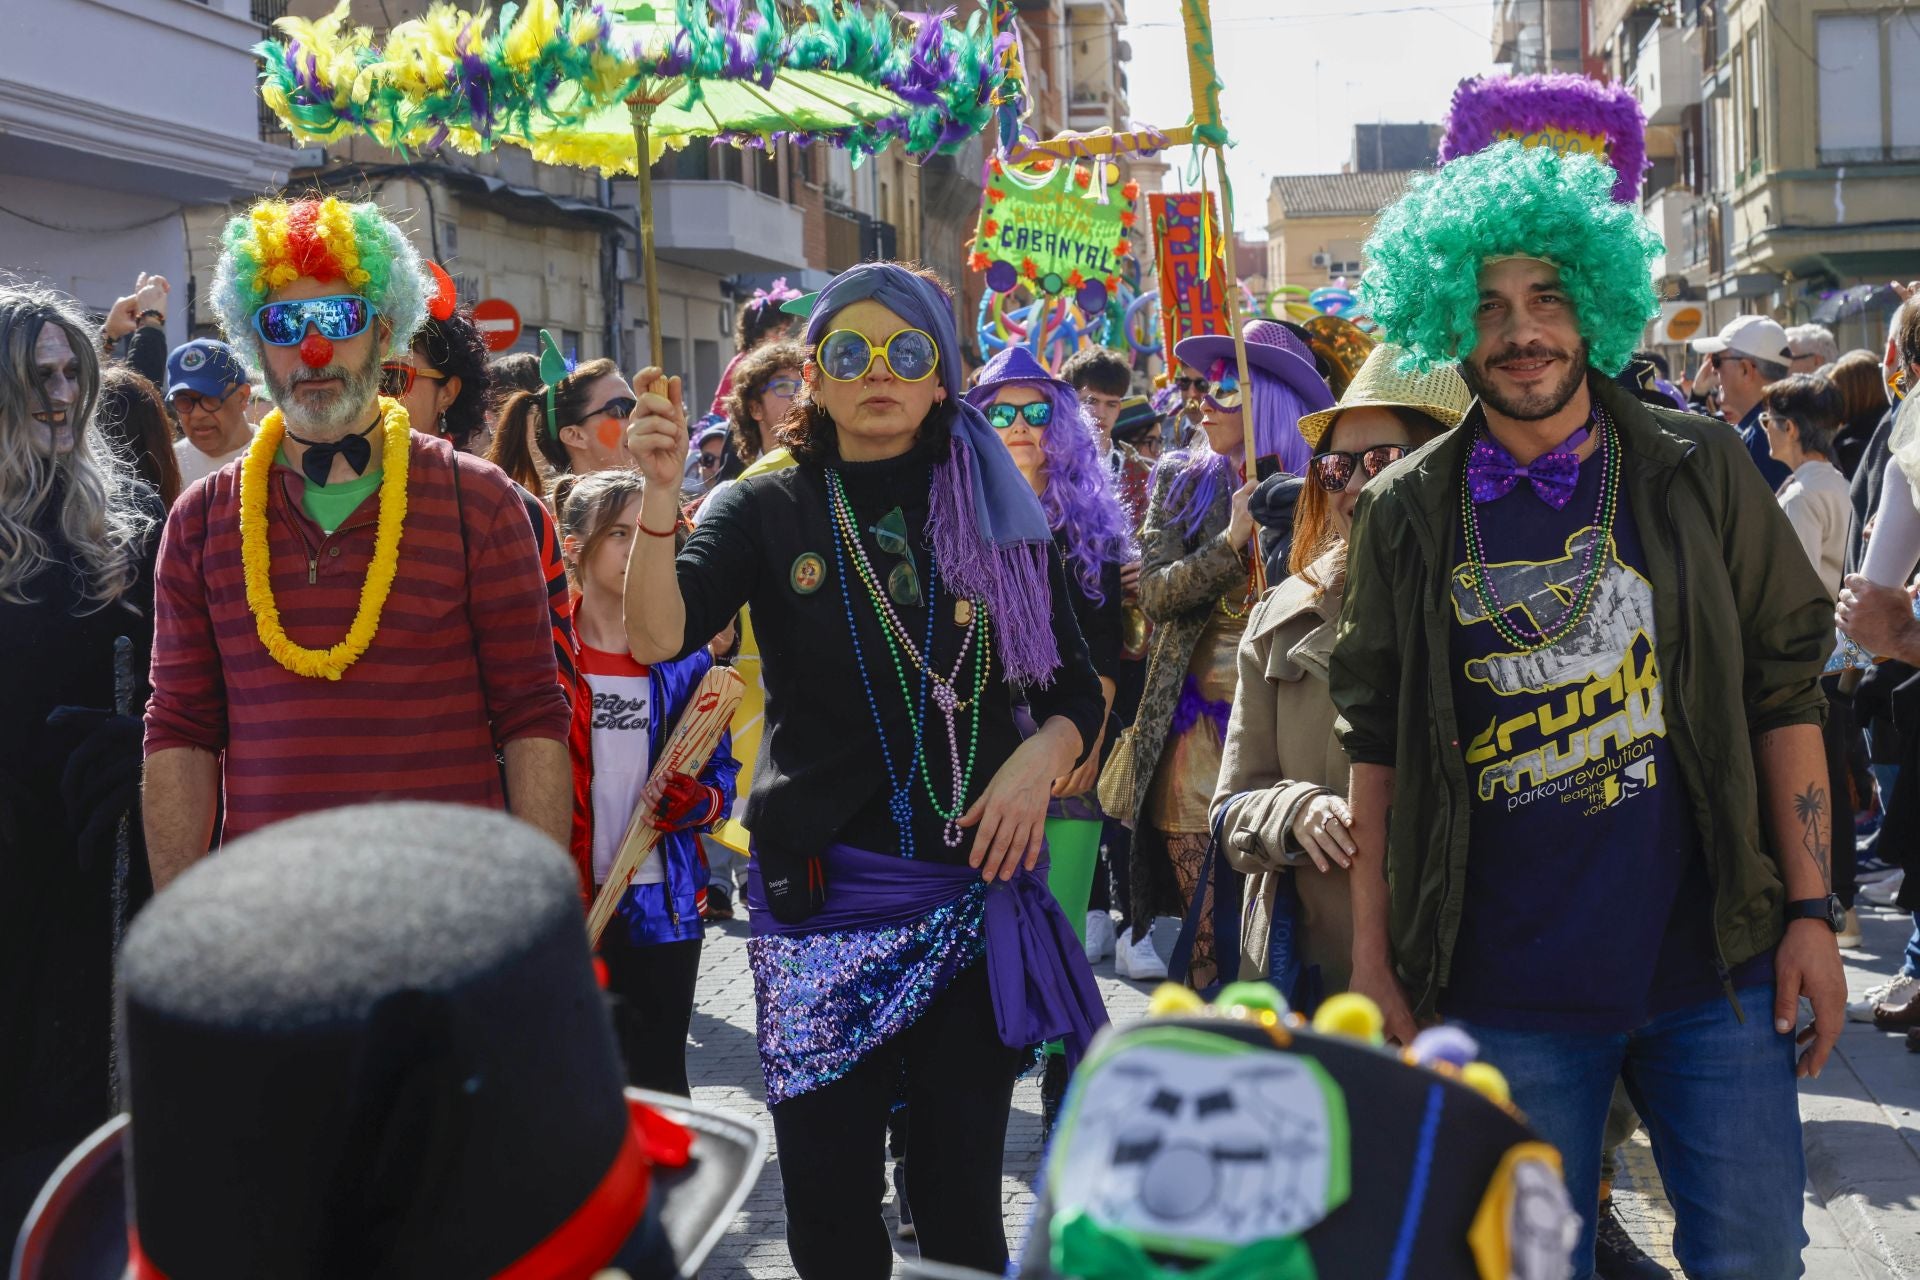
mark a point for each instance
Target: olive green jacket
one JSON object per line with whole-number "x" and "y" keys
{"x": 1744, "y": 628}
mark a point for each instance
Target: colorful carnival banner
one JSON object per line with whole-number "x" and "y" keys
{"x": 1060, "y": 227}
{"x": 1193, "y": 293}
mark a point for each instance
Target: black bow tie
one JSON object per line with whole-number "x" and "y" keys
{"x": 317, "y": 462}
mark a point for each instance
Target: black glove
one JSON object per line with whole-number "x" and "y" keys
{"x": 100, "y": 783}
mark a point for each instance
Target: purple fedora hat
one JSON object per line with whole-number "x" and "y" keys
{"x": 1271, "y": 347}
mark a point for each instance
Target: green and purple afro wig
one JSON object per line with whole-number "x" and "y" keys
{"x": 1510, "y": 201}
{"x": 278, "y": 241}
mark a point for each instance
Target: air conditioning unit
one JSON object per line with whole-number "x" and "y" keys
{"x": 1321, "y": 259}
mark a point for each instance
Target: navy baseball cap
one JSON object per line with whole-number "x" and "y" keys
{"x": 205, "y": 367}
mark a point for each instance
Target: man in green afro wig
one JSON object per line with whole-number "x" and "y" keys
{"x": 1427, "y": 252}
{"x": 1577, "y": 669}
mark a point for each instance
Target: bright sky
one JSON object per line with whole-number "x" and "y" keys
{"x": 1300, "y": 73}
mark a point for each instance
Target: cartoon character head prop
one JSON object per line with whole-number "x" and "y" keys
{"x": 1510, "y": 201}
{"x": 1238, "y": 1137}
{"x": 354, "y": 245}
{"x": 1566, "y": 113}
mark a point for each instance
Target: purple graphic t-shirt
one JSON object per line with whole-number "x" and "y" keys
{"x": 1588, "y": 905}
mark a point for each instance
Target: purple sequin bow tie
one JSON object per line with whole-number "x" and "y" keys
{"x": 1492, "y": 472}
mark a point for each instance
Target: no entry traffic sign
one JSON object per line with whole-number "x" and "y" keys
{"x": 498, "y": 322}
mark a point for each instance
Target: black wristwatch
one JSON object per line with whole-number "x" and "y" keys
{"x": 1827, "y": 909}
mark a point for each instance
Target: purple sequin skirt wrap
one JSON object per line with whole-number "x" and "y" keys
{"x": 893, "y": 934}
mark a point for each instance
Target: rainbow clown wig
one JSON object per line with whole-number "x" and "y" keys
{"x": 278, "y": 241}
{"x": 1510, "y": 201}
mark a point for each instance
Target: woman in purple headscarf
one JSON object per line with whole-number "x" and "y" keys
{"x": 1197, "y": 584}
{"x": 906, "y": 591}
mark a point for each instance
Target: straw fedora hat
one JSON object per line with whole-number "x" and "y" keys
{"x": 1440, "y": 393}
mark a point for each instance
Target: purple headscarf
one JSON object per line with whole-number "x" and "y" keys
{"x": 989, "y": 533}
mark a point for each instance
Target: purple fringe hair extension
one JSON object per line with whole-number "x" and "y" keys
{"x": 1012, "y": 579}
{"x": 1484, "y": 106}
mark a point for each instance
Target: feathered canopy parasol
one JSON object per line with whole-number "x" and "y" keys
{"x": 609, "y": 86}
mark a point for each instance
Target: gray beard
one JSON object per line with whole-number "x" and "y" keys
{"x": 347, "y": 411}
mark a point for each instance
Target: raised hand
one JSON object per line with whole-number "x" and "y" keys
{"x": 657, "y": 430}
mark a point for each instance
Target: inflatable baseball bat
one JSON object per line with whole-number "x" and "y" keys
{"x": 686, "y": 751}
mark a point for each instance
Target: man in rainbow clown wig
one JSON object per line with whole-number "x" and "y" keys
{"x": 1577, "y": 670}
{"x": 351, "y": 611}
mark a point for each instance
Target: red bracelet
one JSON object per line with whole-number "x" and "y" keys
{"x": 641, "y": 525}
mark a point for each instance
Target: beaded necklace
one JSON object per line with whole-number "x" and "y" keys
{"x": 944, "y": 688}
{"x": 1523, "y": 635}
{"x": 899, "y": 789}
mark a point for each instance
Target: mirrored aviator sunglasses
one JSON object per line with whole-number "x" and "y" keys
{"x": 1334, "y": 471}
{"x": 336, "y": 317}
{"x": 1003, "y": 416}
{"x": 846, "y": 356}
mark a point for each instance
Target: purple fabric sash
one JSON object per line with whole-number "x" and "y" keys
{"x": 1043, "y": 988}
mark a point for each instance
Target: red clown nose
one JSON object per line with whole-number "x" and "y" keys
{"x": 316, "y": 351}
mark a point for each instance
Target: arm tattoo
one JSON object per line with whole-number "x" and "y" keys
{"x": 1810, "y": 806}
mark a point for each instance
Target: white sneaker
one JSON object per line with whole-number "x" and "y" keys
{"x": 1881, "y": 893}
{"x": 1138, "y": 960}
{"x": 1100, "y": 936}
{"x": 1894, "y": 991}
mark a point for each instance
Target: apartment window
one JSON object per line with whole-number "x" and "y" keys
{"x": 1868, "y": 101}
{"x": 767, "y": 173}
{"x": 1739, "y": 117}
{"x": 1343, "y": 267}
{"x": 1756, "y": 71}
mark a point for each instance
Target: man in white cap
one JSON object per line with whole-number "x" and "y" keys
{"x": 1748, "y": 354}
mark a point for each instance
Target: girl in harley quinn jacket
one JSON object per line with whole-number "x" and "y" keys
{"x": 623, "y": 711}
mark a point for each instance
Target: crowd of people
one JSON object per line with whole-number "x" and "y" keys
{"x": 1488, "y": 679}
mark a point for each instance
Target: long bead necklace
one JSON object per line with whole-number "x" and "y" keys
{"x": 945, "y": 688}
{"x": 1522, "y": 635}
{"x": 899, "y": 788}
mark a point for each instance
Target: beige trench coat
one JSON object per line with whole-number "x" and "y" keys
{"x": 1281, "y": 752}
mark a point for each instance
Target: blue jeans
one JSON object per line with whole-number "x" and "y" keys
{"x": 1910, "y": 963}
{"x": 1719, "y": 1101}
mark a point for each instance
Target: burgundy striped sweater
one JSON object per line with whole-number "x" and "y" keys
{"x": 463, "y": 660}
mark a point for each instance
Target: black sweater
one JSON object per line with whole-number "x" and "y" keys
{"x": 820, "y": 777}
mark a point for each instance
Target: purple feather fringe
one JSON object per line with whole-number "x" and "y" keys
{"x": 1485, "y": 105}
{"x": 1192, "y": 705}
{"x": 1011, "y": 579}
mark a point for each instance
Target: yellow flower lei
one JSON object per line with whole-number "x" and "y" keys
{"x": 256, "y": 557}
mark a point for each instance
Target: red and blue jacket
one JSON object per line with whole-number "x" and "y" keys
{"x": 668, "y": 911}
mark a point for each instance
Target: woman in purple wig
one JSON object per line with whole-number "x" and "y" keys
{"x": 1046, "y": 431}
{"x": 1197, "y": 584}
{"x": 906, "y": 593}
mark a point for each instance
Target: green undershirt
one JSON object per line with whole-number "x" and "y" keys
{"x": 329, "y": 505}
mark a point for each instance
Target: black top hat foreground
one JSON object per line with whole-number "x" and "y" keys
{"x": 369, "y": 1043}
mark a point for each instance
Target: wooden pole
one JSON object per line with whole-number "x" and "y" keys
{"x": 649, "y": 269}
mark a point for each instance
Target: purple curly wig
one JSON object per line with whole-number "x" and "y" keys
{"x": 1199, "y": 474}
{"x": 1485, "y": 106}
{"x": 1079, "y": 499}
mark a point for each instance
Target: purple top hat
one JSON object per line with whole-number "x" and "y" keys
{"x": 1272, "y": 348}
